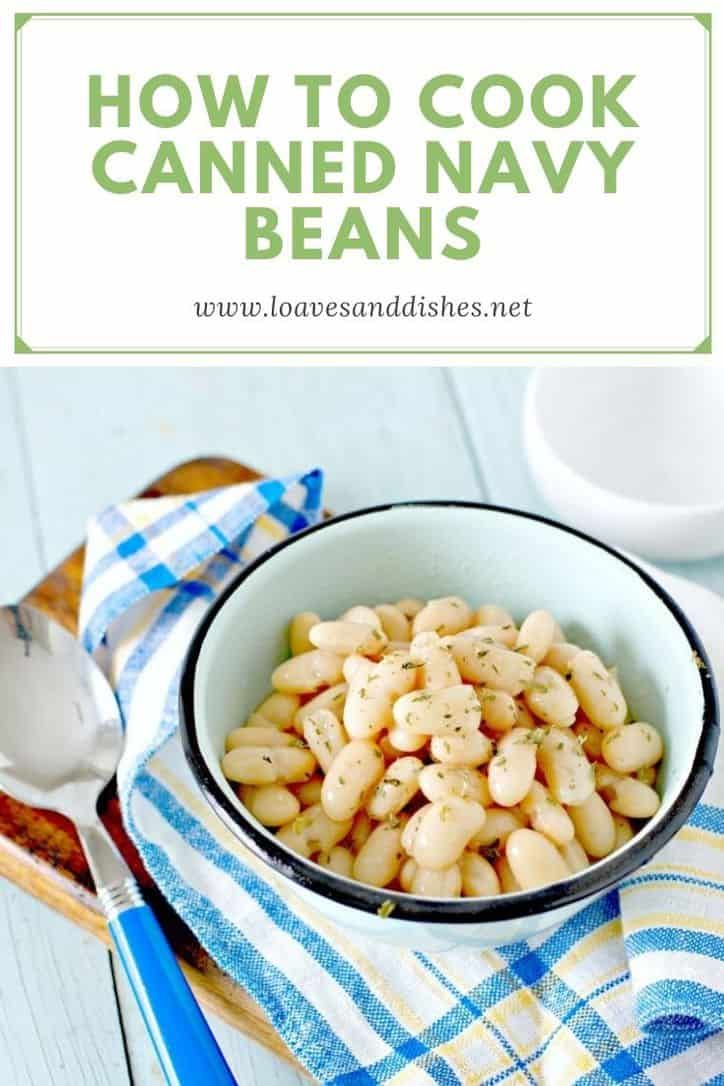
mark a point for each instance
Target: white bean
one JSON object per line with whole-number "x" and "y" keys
{"x": 299, "y": 629}
{"x": 632, "y": 747}
{"x": 590, "y": 737}
{"x": 338, "y": 859}
{"x": 395, "y": 624}
{"x": 314, "y": 831}
{"x": 445, "y": 830}
{"x": 567, "y": 771}
{"x": 268, "y": 765}
{"x": 251, "y": 736}
{"x": 438, "y": 667}
{"x": 368, "y": 708}
{"x": 294, "y": 840}
{"x": 624, "y": 830}
{"x": 512, "y": 770}
{"x": 453, "y": 711}
{"x": 347, "y": 637}
{"x": 364, "y": 614}
{"x": 396, "y": 646}
{"x": 598, "y": 691}
{"x": 361, "y": 829}
{"x": 436, "y": 883}
{"x": 307, "y": 672}
{"x": 280, "y": 709}
{"x": 508, "y": 882}
{"x": 378, "y": 861}
{"x": 534, "y": 860}
{"x": 525, "y": 717}
{"x": 574, "y": 856}
{"x": 438, "y": 781}
{"x": 332, "y": 699}
{"x": 410, "y": 831}
{"x": 499, "y": 824}
{"x": 559, "y": 657}
{"x": 492, "y": 665}
{"x": 397, "y": 787}
{"x": 352, "y": 664}
{"x": 500, "y": 711}
{"x": 546, "y": 815}
{"x": 492, "y": 635}
{"x": 536, "y": 634}
{"x": 407, "y": 874}
{"x": 627, "y": 796}
{"x": 479, "y": 878}
{"x": 406, "y": 741}
{"x": 325, "y": 736}
{"x": 272, "y": 804}
{"x": 309, "y": 792}
{"x": 472, "y": 749}
{"x": 351, "y": 777}
{"x": 551, "y": 699}
{"x": 594, "y": 825}
{"x": 490, "y": 614}
{"x": 447, "y": 615}
{"x": 410, "y": 606}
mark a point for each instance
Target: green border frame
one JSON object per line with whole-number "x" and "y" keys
{"x": 22, "y": 18}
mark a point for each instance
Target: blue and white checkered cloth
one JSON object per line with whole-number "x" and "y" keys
{"x": 629, "y": 990}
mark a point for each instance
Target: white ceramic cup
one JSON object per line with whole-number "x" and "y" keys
{"x": 634, "y": 455}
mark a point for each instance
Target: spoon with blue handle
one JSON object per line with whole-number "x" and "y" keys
{"x": 60, "y": 742}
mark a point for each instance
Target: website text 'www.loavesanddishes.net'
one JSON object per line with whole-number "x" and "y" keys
{"x": 401, "y": 307}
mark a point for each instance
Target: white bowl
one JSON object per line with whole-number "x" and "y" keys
{"x": 632, "y": 454}
{"x": 428, "y": 549}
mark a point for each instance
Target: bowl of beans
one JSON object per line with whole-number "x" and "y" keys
{"x": 445, "y": 723}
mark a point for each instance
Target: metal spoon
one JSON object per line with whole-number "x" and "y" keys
{"x": 60, "y": 741}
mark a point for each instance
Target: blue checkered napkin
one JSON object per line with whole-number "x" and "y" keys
{"x": 559, "y": 1010}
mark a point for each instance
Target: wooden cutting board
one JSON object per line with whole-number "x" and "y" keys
{"x": 40, "y": 852}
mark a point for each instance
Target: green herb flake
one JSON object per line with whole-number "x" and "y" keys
{"x": 386, "y": 909}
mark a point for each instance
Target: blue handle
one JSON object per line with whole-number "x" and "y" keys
{"x": 185, "y": 1046}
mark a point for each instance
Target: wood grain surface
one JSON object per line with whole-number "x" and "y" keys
{"x": 40, "y": 851}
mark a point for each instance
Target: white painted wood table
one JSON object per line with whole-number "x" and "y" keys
{"x": 383, "y": 434}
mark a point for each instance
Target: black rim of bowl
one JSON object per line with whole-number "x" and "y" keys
{"x": 592, "y": 881}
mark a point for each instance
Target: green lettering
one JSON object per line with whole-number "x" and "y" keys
{"x": 420, "y": 240}
{"x": 100, "y": 163}
{"x": 322, "y": 165}
{"x": 610, "y": 162}
{"x": 503, "y": 168}
{"x": 120, "y": 101}
{"x": 575, "y": 101}
{"x": 261, "y": 225}
{"x": 382, "y": 101}
{"x": 436, "y": 158}
{"x": 428, "y": 108}
{"x": 302, "y": 232}
{"x": 211, "y": 160}
{"x": 353, "y": 234}
{"x": 454, "y": 224}
{"x": 289, "y": 174}
{"x": 167, "y": 169}
{"x": 515, "y": 101}
{"x": 363, "y": 150}
{"x": 218, "y": 112}
{"x": 608, "y": 100}
{"x": 312, "y": 84}
{"x": 557, "y": 177}
{"x": 183, "y": 101}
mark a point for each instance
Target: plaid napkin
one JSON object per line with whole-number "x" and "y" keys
{"x": 629, "y": 990}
